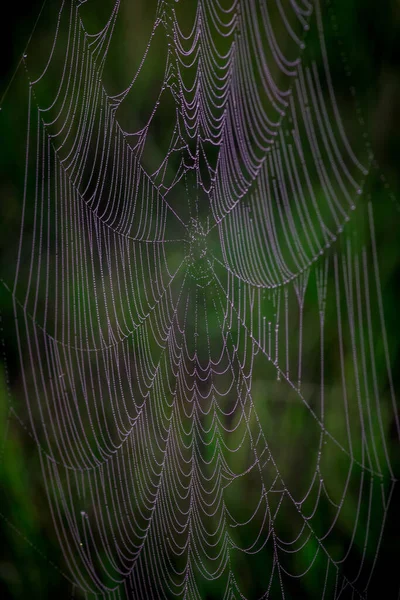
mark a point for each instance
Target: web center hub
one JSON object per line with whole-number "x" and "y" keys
{"x": 197, "y": 256}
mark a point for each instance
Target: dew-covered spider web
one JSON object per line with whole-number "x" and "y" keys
{"x": 199, "y": 311}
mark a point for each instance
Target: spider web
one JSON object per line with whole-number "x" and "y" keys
{"x": 200, "y": 322}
